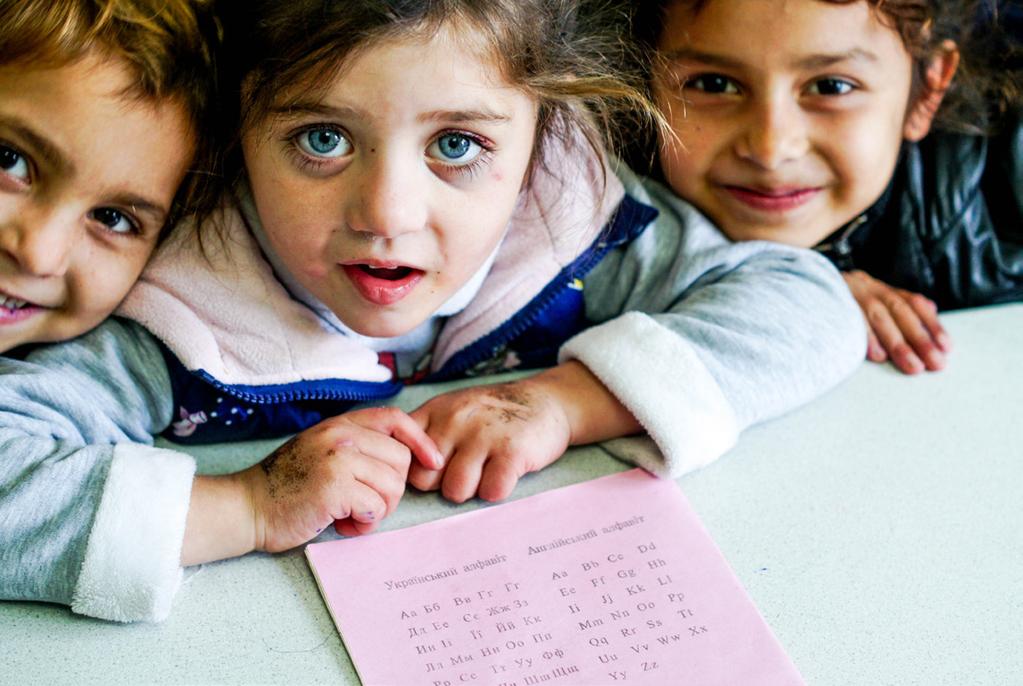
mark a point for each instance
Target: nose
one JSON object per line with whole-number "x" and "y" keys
{"x": 390, "y": 196}
{"x": 774, "y": 133}
{"x": 40, "y": 241}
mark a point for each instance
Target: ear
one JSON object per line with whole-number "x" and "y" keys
{"x": 941, "y": 67}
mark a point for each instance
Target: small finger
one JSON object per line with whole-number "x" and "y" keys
{"x": 928, "y": 313}
{"x": 380, "y": 478}
{"x": 364, "y": 504}
{"x": 500, "y": 474}
{"x": 408, "y": 431}
{"x": 462, "y": 476}
{"x": 890, "y": 337}
{"x": 437, "y": 423}
{"x": 350, "y": 527}
{"x": 425, "y": 479}
{"x": 917, "y": 336}
{"x": 875, "y": 351}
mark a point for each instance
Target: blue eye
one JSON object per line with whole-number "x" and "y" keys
{"x": 715, "y": 84}
{"x": 324, "y": 142}
{"x": 455, "y": 148}
{"x": 113, "y": 220}
{"x": 831, "y": 87}
{"x": 14, "y": 163}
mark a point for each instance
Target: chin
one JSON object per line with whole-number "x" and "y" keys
{"x": 382, "y": 329}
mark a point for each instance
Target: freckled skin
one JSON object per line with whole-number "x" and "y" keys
{"x": 348, "y": 470}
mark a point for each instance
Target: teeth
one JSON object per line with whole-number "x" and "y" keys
{"x": 12, "y": 303}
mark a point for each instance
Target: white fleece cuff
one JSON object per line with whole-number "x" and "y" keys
{"x": 658, "y": 376}
{"x": 132, "y": 566}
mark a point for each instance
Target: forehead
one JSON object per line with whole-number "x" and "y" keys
{"x": 443, "y": 69}
{"x": 83, "y": 114}
{"x": 768, "y": 32}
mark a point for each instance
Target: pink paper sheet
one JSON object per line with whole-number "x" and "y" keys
{"x": 612, "y": 581}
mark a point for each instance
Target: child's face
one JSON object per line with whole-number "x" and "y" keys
{"x": 791, "y": 117}
{"x": 87, "y": 176}
{"x": 387, "y": 191}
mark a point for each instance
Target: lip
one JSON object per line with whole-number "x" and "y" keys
{"x": 380, "y": 291}
{"x": 14, "y": 316}
{"x": 781, "y": 199}
{"x": 9, "y": 316}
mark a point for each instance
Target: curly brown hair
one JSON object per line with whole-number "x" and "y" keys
{"x": 988, "y": 82}
{"x": 168, "y": 46}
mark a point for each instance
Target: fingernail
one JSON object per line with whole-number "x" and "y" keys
{"x": 369, "y": 515}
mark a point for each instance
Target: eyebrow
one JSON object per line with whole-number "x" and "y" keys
{"x": 465, "y": 116}
{"x": 40, "y": 145}
{"x": 56, "y": 158}
{"x": 141, "y": 205}
{"x": 814, "y": 61}
{"x": 301, "y": 108}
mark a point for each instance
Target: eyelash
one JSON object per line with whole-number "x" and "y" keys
{"x": 683, "y": 83}
{"x": 469, "y": 170}
{"x": 28, "y": 162}
{"x": 133, "y": 222}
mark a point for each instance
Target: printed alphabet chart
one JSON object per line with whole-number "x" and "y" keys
{"x": 612, "y": 581}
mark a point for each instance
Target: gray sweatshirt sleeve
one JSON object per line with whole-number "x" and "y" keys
{"x": 702, "y": 337}
{"x": 91, "y": 515}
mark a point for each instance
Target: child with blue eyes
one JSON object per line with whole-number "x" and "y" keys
{"x": 809, "y": 123}
{"x": 103, "y": 139}
{"x": 421, "y": 193}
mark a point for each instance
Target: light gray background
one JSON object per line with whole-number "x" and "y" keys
{"x": 878, "y": 530}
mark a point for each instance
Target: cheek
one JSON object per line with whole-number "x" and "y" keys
{"x": 683, "y": 163}
{"x": 104, "y": 283}
{"x": 864, "y": 158}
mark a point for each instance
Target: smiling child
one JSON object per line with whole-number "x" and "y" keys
{"x": 103, "y": 117}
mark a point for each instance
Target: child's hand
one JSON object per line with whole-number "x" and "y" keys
{"x": 901, "y": 325}
{"x": 349, "y": 470}
{"x": 491, "y": 436}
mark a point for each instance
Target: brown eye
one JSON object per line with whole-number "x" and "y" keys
{"x": 831, "y": 87}
{"x": 715, "y": 84}
{"x": 14, "y": 163}
{"x": 114, "y": 220}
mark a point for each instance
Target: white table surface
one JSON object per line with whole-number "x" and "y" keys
{"x": 878, "y": 529}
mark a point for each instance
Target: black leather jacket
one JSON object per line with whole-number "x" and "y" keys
{"x": 950, "y": 224}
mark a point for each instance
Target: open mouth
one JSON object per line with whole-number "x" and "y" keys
{"x": 12, "y": 304}
{"x": 386, "y": 273}
{"x": 15, "y": 310}
{"x": 383, "y": 284}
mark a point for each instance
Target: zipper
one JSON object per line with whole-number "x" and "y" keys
{"x": 841, "y": 244}
{"x": 637, "y": 213}
{"x": 364, "y": 390}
